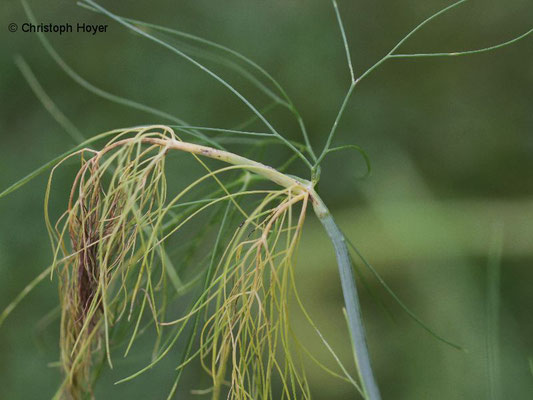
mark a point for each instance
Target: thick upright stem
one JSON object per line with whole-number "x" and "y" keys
{"x": 351, "y": 300}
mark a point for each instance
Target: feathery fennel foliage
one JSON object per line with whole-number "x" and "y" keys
{"x": 112, "y": 245}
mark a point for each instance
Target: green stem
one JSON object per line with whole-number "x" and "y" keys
{"x": 351, "y": 299}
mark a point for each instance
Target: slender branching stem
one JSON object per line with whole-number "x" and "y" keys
{"x": 391, "y": 55}
{"x": 344, "y": 41}
{"x": 463, "y": 53}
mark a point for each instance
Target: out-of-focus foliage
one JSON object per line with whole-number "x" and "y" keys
{"x": 450, "y": 142}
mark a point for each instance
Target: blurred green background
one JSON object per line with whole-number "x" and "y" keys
{"x": 451, "y": 144}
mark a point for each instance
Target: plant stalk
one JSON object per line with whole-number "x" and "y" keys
{"x": 351, "y": 300}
